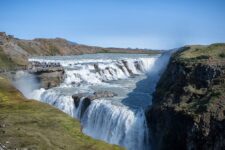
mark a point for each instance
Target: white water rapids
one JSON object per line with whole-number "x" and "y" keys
{"x": 117, "y": 120}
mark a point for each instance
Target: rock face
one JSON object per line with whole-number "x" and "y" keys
{"x": 86, "y": 99}
{"x": 49, "y": 74}
{"x": 188, "y": 110}
{"x": 50, "y": 79}
{"x": 102, "y": 94}
{"x": 37, "y": 67}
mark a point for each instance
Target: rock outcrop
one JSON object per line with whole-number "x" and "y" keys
{"x": 37, "y": 67}
{"x": 49, "y": 74}
{"x": 85, "y": 99}
{"x": 50, "y": 79}
{"x": 188, "y": 110}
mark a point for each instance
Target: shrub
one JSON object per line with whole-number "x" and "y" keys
{"x": 222, "y": 55}
{"x": 203, "y": 57}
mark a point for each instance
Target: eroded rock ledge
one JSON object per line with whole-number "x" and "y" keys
{"x": 188, "y": 110}
{"x": 49, "y": 74}
{"x": 88, "y": 98}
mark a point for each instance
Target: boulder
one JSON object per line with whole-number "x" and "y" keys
{"x": 50, "y": 79}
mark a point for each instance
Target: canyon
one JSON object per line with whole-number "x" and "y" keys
{"x": 157, "y": 100}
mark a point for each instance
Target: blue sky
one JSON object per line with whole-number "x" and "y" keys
{"x": 158, "y": 24}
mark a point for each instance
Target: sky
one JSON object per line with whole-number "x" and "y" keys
{"x": 155, "y": 24}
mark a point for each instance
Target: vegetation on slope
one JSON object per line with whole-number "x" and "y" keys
{"x": 34, "y": 125}
{"x": 214, "y": 56}
{"x": 199, "y": 53}
{"x": 5, "y": 61}
{"x": 206, "y": 81}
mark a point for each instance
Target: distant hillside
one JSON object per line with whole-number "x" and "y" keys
{"x": 17, "y": 51}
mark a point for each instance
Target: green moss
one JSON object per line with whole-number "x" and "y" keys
{"x": 31, "y": 124}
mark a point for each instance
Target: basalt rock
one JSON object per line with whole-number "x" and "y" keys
{"x": 188, "y": 110}
{"x": 76, "y": 99}
{"x": 88, "y": 98}
{"x": 102, "y": 94}
{"x": 37, "y": 67}
{"x": 50, "y": 79}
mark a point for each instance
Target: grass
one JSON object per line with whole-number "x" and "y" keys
{"x": 203, "y": 53}
{"x": 34, "y": 125}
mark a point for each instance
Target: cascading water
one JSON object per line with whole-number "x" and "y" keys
{"x": 116, "y": 124}
{"x": 119, "y": 119}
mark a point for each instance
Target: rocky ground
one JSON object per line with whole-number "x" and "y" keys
{"x": 188, "y": 110}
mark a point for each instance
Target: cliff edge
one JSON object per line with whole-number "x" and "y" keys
{"x": 188, "y": 110}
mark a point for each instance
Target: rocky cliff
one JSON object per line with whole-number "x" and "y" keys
{"x": 188, "y": 110}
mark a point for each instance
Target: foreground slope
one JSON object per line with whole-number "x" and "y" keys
{"x": 188, "y": 110}
{"x": 33, "y": 125}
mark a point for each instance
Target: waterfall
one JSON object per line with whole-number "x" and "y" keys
{"x": 116, "y": 125}
{"x": 96, "y": 73}
{"x": 114, "y": 120}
